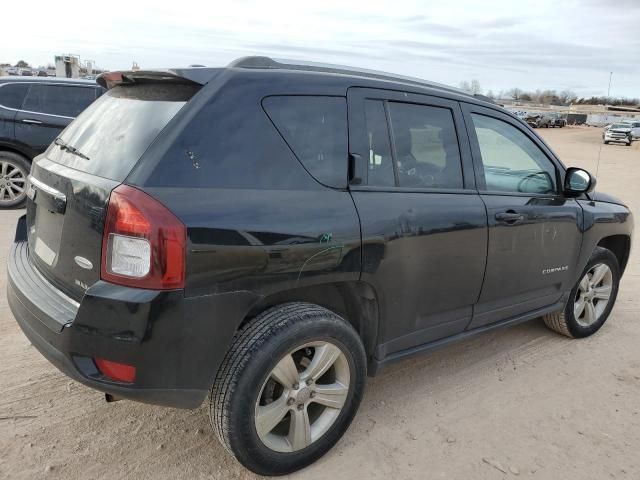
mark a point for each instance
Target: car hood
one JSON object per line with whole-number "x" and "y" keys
{"x": 605, "y": 197}
{"x": 619, "y": 130}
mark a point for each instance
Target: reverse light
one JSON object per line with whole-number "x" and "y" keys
{"x": 120, "y": 372}
{"x": 143, "y": 244}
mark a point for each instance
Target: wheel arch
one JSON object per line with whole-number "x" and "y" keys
{"x": 18, "y": 150}
{"x": 355, "y": 301}
{"x": 620, "y": 246}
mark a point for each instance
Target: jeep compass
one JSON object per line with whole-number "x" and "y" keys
{"x": 266, "y": 235}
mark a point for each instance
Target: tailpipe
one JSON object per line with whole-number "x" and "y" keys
{"x": 111, "y": 398}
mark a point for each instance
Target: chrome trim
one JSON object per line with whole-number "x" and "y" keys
{"x": 46, "y": 188}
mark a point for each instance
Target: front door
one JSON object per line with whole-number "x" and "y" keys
{"x": 424, "y": 226}
{"x": 534, "y": 232}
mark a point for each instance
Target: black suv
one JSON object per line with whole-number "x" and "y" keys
{"x": 270, "y": 233}
{"x": 33, "y": 111}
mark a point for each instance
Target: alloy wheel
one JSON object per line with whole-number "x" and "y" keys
{"x": 302, "y": 397}
{"x": 592, "y": 297}
{"x": 13, "y": 181}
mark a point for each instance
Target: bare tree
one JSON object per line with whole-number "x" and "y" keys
{"x": 567, "y": 96}
{"x": 475, "y": 87}
{"x": 472, "y": 86}
{"x": 514, "y": 93}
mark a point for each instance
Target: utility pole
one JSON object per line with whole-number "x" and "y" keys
{"x": 609, "y": 89}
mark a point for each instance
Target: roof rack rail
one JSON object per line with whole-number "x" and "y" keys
{"x": 262, "y": 62}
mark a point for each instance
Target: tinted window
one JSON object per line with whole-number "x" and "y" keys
{"x": 316, "y": 130}
{"x": 118, "y": 127}
{"x": 11, "y": 95}
{"x": 512, "y": 161}
{"x": 426, "y": 146}
{"x": 64, "y": 100}
{"x": 380, "y": 160}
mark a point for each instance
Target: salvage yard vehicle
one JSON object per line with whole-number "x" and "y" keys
{"x": 268, "y": 234}
{"x": 539, "y": 120}
{"x": 635, "y": 128}
{"x": 33, "y": 111}
{"x": 619, "y": 133}
{"x": 557, "y": 120}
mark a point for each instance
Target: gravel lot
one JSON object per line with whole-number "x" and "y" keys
{"x": 521, "y": 401}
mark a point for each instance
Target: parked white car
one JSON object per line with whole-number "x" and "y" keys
{"x": 617, "y": 132}
{"x": 635, "y": 128}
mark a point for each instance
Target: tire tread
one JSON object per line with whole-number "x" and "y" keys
{"x": 248, "y": 339}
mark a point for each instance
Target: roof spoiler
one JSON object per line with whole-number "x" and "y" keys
{"x": 188, "y": 76}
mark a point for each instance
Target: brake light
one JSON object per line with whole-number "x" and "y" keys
{"x": 119, "y": 372}
{"x": 143, "y": 244}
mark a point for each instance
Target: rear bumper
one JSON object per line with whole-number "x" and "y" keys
{"x": 175, "y": 343}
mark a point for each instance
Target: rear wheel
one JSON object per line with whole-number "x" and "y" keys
{"x": 288, "y": 388}
{"x": 592, "y": 298}
{"x": 14, "y": 170}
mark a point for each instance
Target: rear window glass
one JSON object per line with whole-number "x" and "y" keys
{"x": 315, "y": 128}
{"x": 12, "y": 94}
{"x": 63, "y": 100}
{"x": 117, "y": 128}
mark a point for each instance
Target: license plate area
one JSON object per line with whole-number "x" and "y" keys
{"x": 46, "y": 223}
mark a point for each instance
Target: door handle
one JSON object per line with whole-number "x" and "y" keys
{"x": 511, "y": 217}
{"x": 31, "y": 121}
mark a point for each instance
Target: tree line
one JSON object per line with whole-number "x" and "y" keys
{"x": 547, "y": 97}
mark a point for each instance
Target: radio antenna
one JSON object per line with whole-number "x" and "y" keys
{"x": 605, "y": 121}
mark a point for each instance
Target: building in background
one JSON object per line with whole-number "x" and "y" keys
{"x": 68, "y": 66}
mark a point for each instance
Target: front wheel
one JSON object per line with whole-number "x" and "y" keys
{"x": 591, "y": 299}
{"x": 288, "y": 388}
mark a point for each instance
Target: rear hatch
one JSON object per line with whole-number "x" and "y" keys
{"x": 70, "y": 184}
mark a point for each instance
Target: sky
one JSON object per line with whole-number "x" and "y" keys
{"x": 568, "y": 44}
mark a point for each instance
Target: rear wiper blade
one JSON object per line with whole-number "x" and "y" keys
{"x": 65, "y": 146}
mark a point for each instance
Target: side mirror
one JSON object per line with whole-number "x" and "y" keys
{"x": 578, "y": 181}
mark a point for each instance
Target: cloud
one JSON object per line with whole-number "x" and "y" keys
{"x": 543, "y": 44}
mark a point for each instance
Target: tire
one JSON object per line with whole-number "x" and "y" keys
{"x": 606, "y": 142}
{"x": 246, "y": 382}
{"x": 565, "y": 321}
{"x": 14, "y": 170}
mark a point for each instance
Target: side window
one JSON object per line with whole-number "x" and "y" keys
{"x": 380, "y": 172}
{"x": 426, "y": 146}
{"x": 511, "y": 161}
{"x": 315, "y": 128}
{"x": 64, "y": 100}
{"x": 12, "y": 95}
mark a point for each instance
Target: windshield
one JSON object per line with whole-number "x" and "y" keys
{"x": 619, "y": 125}
{"x": 109, "y": 137}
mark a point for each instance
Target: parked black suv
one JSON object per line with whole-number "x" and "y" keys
{"x": 33, "y": 111}
{"x": 270, "y": 233}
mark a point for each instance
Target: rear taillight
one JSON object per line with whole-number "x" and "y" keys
{"x": 143, "y": 244}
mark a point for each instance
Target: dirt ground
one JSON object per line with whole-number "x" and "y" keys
{"x": 520, "y": 401}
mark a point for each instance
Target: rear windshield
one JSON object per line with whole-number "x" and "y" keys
{"x": 110, "y": 136}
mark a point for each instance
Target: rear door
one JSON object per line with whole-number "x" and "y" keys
{"x": 70, "y": 184}
{"x": 11, "y": 98}
{"x": 534, "y": 232}
{"x": 424, "y": 227}
{"x": 47, "y": 109}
